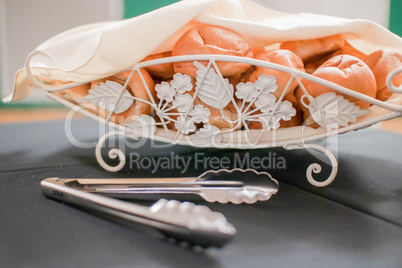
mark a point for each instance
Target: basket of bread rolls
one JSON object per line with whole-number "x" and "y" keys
{"x": 225, "y": 74}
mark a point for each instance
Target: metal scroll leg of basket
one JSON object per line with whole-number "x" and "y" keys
{"x": 113, "y": 153}
{"x": 312, "y": 168}
{"x": 315, "y": 167}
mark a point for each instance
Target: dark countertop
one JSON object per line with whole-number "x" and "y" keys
{"x": 355, "y": 222}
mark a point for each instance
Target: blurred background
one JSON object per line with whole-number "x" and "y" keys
{"x": 24, "y": 24}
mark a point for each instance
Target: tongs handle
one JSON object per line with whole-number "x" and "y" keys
{"x": 194, "y": 224}
{"x": 235, "y": 186}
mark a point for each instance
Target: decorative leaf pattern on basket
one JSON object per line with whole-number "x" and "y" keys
{"x": 165, "y": 92}
{"x": 185, "y": 124}
{"x": 268, "y": 111}
{"x": 207, "y": 135}
{"x": 175, "y": 104}
{"x": 143, "y": 125}
{"x": 183, "y": 102}
{"x": 178, "y": 107}
{"x": 181, "y": 83}
{"x": 106, "y": 94}
{"x": 200, "y": 114}
{"x": 213, "y": 88}
{"x": 333, "y": 111}
{"x": 256, "y": 104}
{"x": 246, "y": 91}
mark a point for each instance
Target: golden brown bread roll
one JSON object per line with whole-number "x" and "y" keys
{"x": 259, "y": 50}
{"x": 311, "y": 67}
{"x": 350, "y": 50}
{"x": 240, "y": 78}
{"x": 78, "y": 93}
{"x": 311, "y": 50}
{"x": 346, "y": 50}
{"x": 216, "y": 118}
{"x": 75, "y": 93}
{"x": 282, "y": 57}
{"x": 136, "y": 89}
{"x": 207, "y": 39}
{"x": 382, "y": 62}
{"x": 346, "y": 71}
{"x": 160, "y": 71}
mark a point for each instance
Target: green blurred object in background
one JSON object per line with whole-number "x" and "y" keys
{"x": 134, "y": 8}
{"x": 395, "y": 18}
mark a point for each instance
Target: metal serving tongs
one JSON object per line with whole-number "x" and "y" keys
{"x": 184, "y": 222}
{"x": 235, "y": 186}
{"x": 194, "y": 224}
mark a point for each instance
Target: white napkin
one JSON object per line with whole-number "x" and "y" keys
{"x": 99, "y": 50}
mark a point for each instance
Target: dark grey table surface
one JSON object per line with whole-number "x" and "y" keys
{"x": 355, "y": 222}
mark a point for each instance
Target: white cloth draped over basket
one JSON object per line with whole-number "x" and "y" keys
{"x": 99, "y": 50}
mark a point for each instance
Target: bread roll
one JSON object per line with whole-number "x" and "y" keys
{"x": 78, "y": 93}
{"x": 282, "y": 57}
{"x": 240, "y": 78}
{"x": 312, "y": 50}
{"x": 75, "y": 93}
{"x": 346, "y": 71}
{"x": 216, "y": 118}
{"x": 160, "y": 71}
{"x": 346, "y": 50}
{"x": 207, "y": 39}
{"x": 350, "y": 50}
{"x": 137, "y": 89}
{"x": 382, "y": 62}
{"x": 259, "y": 50}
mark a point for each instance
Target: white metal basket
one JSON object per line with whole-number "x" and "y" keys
{"x": 332, "y": 112}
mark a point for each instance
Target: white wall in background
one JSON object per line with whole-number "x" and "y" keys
{"x": 24, "y": 24}
{"x": 374, "y": 10}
